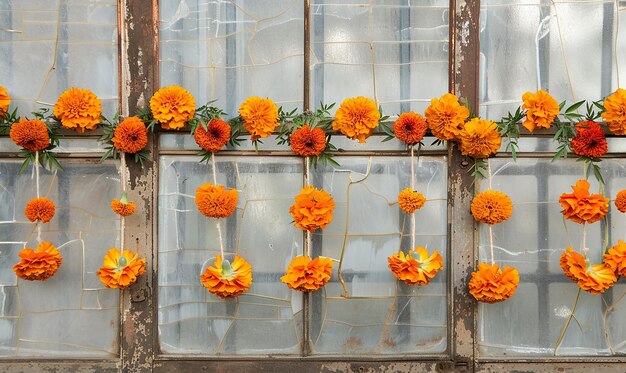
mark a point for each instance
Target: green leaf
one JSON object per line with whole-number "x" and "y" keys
{"x": 574, "y": 107}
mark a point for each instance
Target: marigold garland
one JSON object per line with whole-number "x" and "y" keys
{"x": 615, "y": 258}
{"x": 214, "y": 137}
{"x": 410, "y": 200}
{"x": 304, "y": 274}
{"x": 122, "y": 207}
{"x": 615, "y": 112}
{"x": 583, "y": 207}
{"x": 410, "y": 128}
{"x": 307, "y": 142}
{"x": 173, "y": 107}
{"x": 620, "y": 201}
{"x": 5, "y": 101}
{"x": 491, "y": 207}
{"x": 227, "y": 280}
{"x": 41, "y": 209}
{"x": 120, "y": 270}
{"x": 39, "y": 264}
{"x": 417, "y": 267}
{"x": 312, "y": 209}
{"x": 593, "y": 278}
{"x": 490, "y": 284}
{"x": 541, "y": 110}
{"x": 78, "y": 109}
{"x": 356, "y": 118}
{"x": 260, "y": 116}
{"x": 590, "y": 140}
{"x": 130, "y": 136}
{"x": 214, "y": 201}
{"x": 446, "y": 117}
{"x": 480, "y": 138}
{"x": 30, "y": 134}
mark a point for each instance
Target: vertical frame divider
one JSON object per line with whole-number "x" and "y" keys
{"x": 306, "y": 105}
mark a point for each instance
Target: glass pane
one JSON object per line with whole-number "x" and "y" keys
{"x": 50, "y": 319}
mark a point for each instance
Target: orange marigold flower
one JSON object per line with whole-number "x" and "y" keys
{"x": 307, "y": 275}
{"x": 120, "y": 270}
{"x": 30, "y": 134}
{"x": 490, "y": 284}
{"x": 122, "y": 207}
{"x": 615, "y": 112}
{"x": 446, "y": 117}
{"x": 226, "y": 280}
{"x": 541, "y": 110}
{"x": 39, "y": 264}
{"x": 130, "y": 136}
{"x": 215, "y": 202}
{"x": 589, "y": 140}
{"x": 260, "y": 116}
{"x": 356, "y": 118}
{"x": 214, "y": 137}
{"x": 410, "y": 200}
{"x": 615, "y": 258}
{"x": 620, "y": 201}
{"x": 307, "y": 142}
{"x": 313, "y": 209}
{"x": 491, "y": 207}
{"x": 39, "y": 209}
{"x": 594, "y": 278}
{"x": 583, "y": 207}
{"x": 480, "y": 138}
{"x": 78, "y": 109}
{"x": 172, "y": 106}
{"x": 410, "y": 128}
{"x": 5, "y": 101}
{"x": 416, "y": 267}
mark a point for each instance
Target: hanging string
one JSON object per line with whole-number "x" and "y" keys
{"x": 217, "y": 221}
{"x": 412, "y": 188}
{"x": 307, "y": 182}
{"x": 490, "y": 228}
{"x": 38, "y": 195}
{"x": 123, "y": 182}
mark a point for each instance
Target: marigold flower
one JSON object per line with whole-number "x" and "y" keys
{"x": 410, "y": 200}
{"x": 491, "y": 207}
{"x": 615, "y": 258}
{"x": 356, "y": 118}
{"x": 620, "y": 201}
{"x": 308, "y": 275}
{"x": 480, "y": 138}
{"x": 615, "y": 112}
{"x": 260, "y": 116}
{"x": 215, "y": 137}
{"x": 78, "y": 109}
{"x": 120, "y": 270}
{"x": 490, "y": 284}
{"x": 39, "y": 209}
{"x": 39, "y": 264}
{"x": 313, "y": 209}
{"x": 30, "y": 134}
{"x": 589, "y": 140}
{"x": 5, "y": 101}
{"x": 122, "y": 207}
{"x": 130, "y": 136}
{"x": 593, "y": 278}
{"x": 226, "y": 280}
{"x": 446, "y": 117}
{"x": 172, "y": 106}
{"x": 416, "y": 267}
{"x": 583, "y": 207}
{"x": 307, "y": 142}
{"x": 541, "y": 110}
{"x": 215, "y": 202}
{"x": 410, "y": 128}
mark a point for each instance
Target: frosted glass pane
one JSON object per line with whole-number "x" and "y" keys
{"x": 50, "y": 319}
{"x": 47, "y": 47}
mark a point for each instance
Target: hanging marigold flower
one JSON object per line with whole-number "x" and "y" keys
{"x": 308, "y": 275}
{"x": 620, "y": 201}
{"x": 583, "y": 207}
{"x": 410, "y": 128}
{"x": 39, "y": 209}
{"x": 541, "y": 110}
{"x": 356, "y": 118}
{"x": 215, "y": 137}
{"x": 5, "y": 101}
{"x": 491, "y": 207}
{"x": 173, "y": 106}
{"x": 480, "y": 138}
{"x": 30, "y": 134}
{"x": 313, "y": 209}
{"x": 39, "y": 264}
{"x": 410, "y": 200}
{"x": 226, "y": 280}
{"x": 215, "y": 202}
{"x": 490, "y": 284}
{"x": 120, "y": 270}
{"x": 593, "y": 278}
{"x": 307, "y": 142}
{"x": 260, "y": 116}
{"x": 589, "y": 140}
{"x": 416, "y": 267}
{"x": 122, "y": 207}
{"x": 130, "y": 136}
{"x": 78, "y": 109}
{"x": 615, "y": 258}
{"x": 446, "y": 117}
{"x": 615, "y": 112}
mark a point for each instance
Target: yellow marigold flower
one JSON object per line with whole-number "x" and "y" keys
{"x": 593, "y": 278}
{"x": 78, "y": 109}
{"x": 122, "y": 207}
{"x": 215, "y": 202}
{"x": 225, "y": 280}
{"x": 410, "y": 200}
{"x": 582, "y": 206}
{"x": 308, "y": 275}
{"x": 446, "y": 117}
{"x": 480, "y": 138}
{"x": 615, "y": 112}
{"x": 130, "y": 136}
{"x": 120, "y": 270}
{"x": 541, "y": 110}
{"x": 260, "y": 116}
{"x": 416, "y": 267}
{"x": 615, "y": 258}
{"x": 620, "y": 201}
{"x": 491, "y": 207}
{"x": 39, "y": 264}
{"x": 490, "y": 284}
{"x": 30, "y": 134}
{"x": 356, "y": 118}
{"x": 313, "y": 209}
{"x": 5, "y": 101}
{"x": 172, "y": 106}
{"x": 40, "y": 209}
